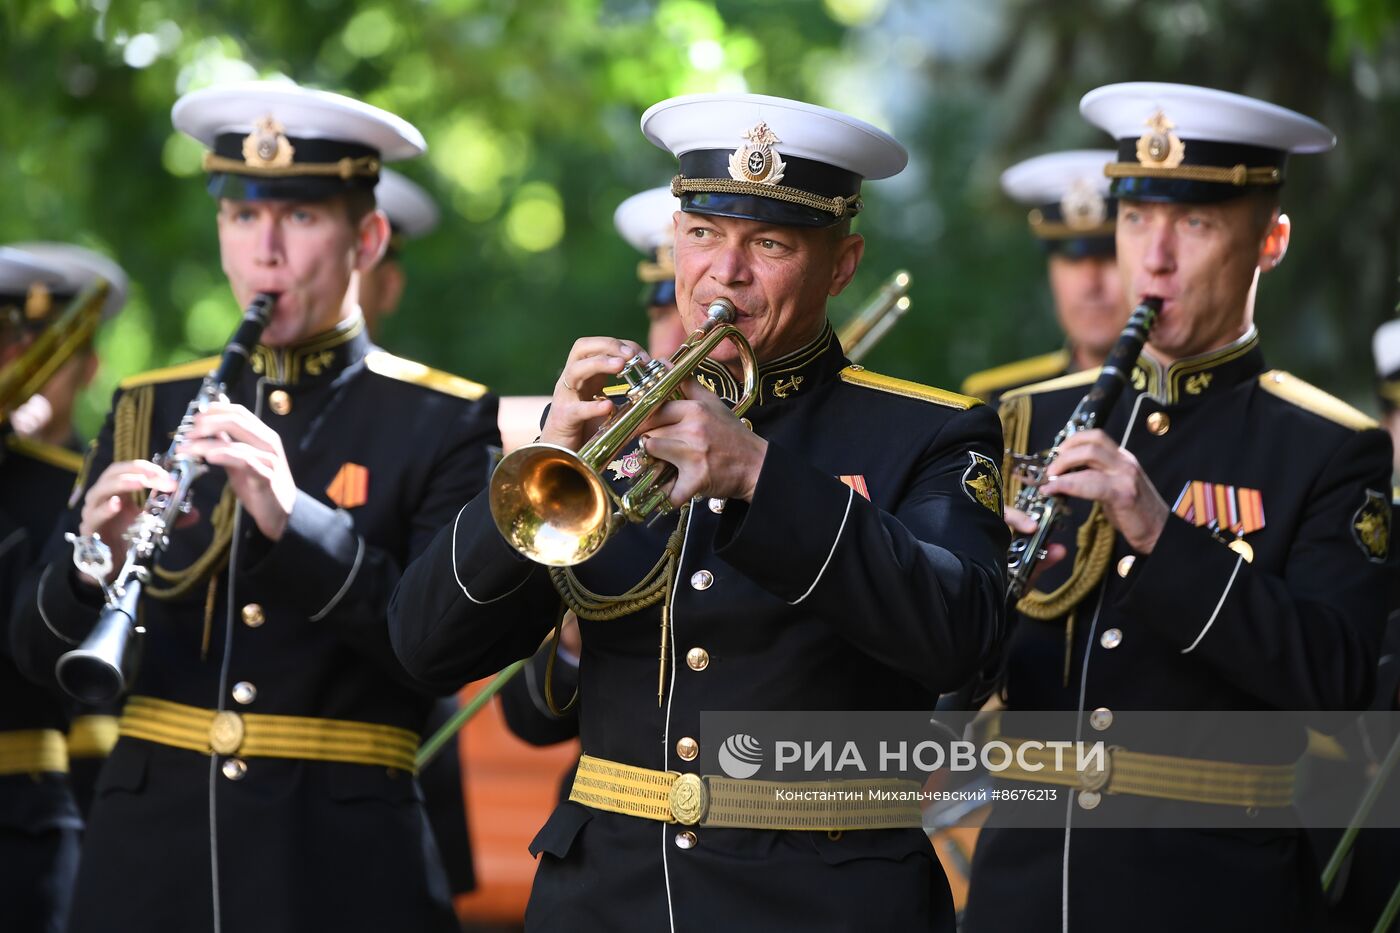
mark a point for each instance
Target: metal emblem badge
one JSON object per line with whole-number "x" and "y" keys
{"x": 1370, "y": 527}
{"x": 689, "y": 799}
{"x": 226, "y": 732}
{"x": 628, "y": 466}
{"x": 1159, "y": 147}
{"x": 757, "y": 161}
{"x": 1082, "y": 207}
{"x": 982, "y": 482}
{"x": 267, "y": 146}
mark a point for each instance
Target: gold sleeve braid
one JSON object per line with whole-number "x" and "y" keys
{"x": 1093, "y": 542}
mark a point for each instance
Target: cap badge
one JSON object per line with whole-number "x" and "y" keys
{"x": 38, "y": 303}
{"x": 1159, "y": 146}
{"x": 757, "y": 161}
{"x": 267, "y": 146}
{"x": 1082, "y": 207}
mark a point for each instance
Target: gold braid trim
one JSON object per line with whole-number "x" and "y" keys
{"x": 346, "y": 168}
{"x": 1094, "y": 541}
{"x": 839, "y": 206}
{"x": 131, "y": 440}
{"x": 1093, "y": 549}
{"x": 1238, "y": 175}
{"x": 653, "y": 588}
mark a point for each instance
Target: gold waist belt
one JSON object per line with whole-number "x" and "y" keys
{"x": 92, "y": 736}
{"x": 1167, "y": 777}
{"x": 30, "y": 751}
{"x": 261, "y": 735}
{"x": 712, "y": 800}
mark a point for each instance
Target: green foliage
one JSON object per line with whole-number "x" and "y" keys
{"x": 531, "y": 114}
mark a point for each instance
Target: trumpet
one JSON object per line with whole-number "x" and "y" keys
{"x": 72, "y": 329}
{"x": 865, "y": 328}
{"x": 552, "y": 504}
{"x": 102, "y": 667}
{"x": 1046, "y": 511}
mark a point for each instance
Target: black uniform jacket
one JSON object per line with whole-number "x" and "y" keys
{"x": 39, "y": 820}
{"x": 383, "y": 451}
{"x": 812, "y": 596}
{"x": 1196, "y": 626}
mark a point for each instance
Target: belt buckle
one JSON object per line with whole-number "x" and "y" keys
{"x": 690, "y": 798}
{"x": 1096, "y": 779}
{"x": 226, "y": 732}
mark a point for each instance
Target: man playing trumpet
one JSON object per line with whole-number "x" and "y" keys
{"x": 844, "y": 553}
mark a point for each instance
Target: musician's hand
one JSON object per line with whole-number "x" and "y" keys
{"x": 108, "y": 509}
{"x": 1022, "y": 524}
{"x": 713, "y": 452}
{"x": 1091, "y": 466}
{"x": 575, "y": 412}
{"x": 232, "y": 437}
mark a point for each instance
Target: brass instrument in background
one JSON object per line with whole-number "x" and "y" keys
{"x": 102, "y": 667}
{"x": 860, "y": 334}
{"x": 67, "y": 334}
{"x": 552, "y": 504}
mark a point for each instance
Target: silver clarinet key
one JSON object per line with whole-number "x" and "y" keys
{"x": 91, "y": 556}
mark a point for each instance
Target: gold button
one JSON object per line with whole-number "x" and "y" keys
{"x": 1159, "y": 423}
{"x": 685, "y": 839}
{"x": 1088, "y": 799}
{"x": 1126, "y": 564}
{"x": 688, "y": 749}
{"x": 244, "y": 692}
{"x": 279, "y": 401}
{"x": 716, "y": 505}
{"x": 234, "y": 769}
{"x": 697, "y": 658}
{"x": 226, "y": 732}
{"x": 702, "y": 579}
{"x": 253, "y": 615}
{"x": 1101, "y": 718}
{"x": 1112, "y": 638}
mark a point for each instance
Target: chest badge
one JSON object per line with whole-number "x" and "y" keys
{"x": 627, "y": 467}
{"x": 1370, "y": 527}
{"x": 982, "y": 482}
{"x": 857, "y": 482}
{"x": 350, "y": 488}
{"x": 1218, "y": 506}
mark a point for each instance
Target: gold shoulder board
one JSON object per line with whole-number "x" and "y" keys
{"x": 194, "y": 369}
{"x": 395, "y": 367}
{"x": 859, "y": 376}
{"x": 1082, "y": 378}
{"x": 55, "y": 456}
{"x": 1045, "y": 366}
{"x": 1310, "y": 398}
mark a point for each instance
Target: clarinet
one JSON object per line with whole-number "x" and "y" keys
{"x": 1028, "y": 550}
{"x": 102, "y": 667}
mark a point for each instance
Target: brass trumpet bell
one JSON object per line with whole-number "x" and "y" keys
{"x": 551, "y": 503}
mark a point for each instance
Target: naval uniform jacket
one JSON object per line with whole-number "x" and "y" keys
{"x": 383, "y": 452}
{"x": 809, "y": 597}
{"x": 39, "y": 820}
{"x": 1195, "y": 626}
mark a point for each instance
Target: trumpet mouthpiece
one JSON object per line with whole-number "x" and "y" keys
{"x": 721, "y": 311}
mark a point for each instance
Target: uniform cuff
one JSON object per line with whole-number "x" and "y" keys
{"x": 67, "y": 605}
{"x": 316, "y": 560}
{"x": 1180, "y": 588}
{"x": 798, "y": 512}
{"x": 484, "y": 564}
